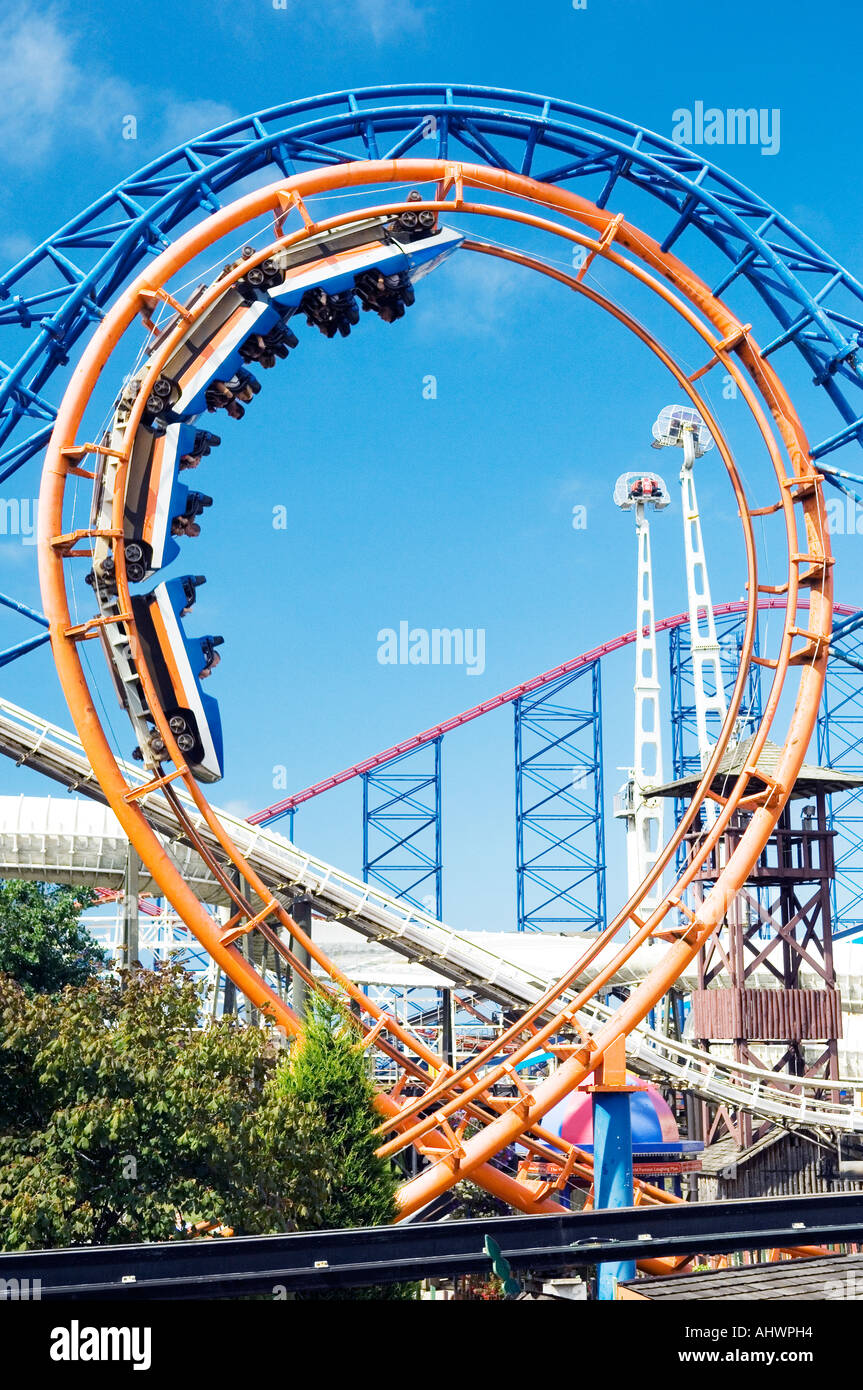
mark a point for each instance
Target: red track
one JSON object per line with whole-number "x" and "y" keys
{"x": 506, "y": 698}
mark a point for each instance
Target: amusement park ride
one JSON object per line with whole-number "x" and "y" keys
{"x": 77, "y": 310}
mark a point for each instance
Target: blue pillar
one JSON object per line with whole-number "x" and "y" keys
{"x": 612, "y": 1172}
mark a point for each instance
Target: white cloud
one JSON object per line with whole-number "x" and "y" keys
{"x": 37, "y": 76}
{"x": 183, "y": 120}
{"x": 14, "y": 247}
{"x": 51, "y": 96}
{"x": 389, "y": 18}
{"x": 240, "y": 808}
{"x": 476, "y": 295}
{"x": 383, "y": 19}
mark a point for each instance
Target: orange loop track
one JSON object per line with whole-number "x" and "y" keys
{"x": 468, "y": 1126}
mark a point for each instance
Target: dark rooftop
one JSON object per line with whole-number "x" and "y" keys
{"x": 803, "y": 1281}
{"x": 811, "y": 779}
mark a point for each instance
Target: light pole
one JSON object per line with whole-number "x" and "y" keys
{"x": 643, "y": 814}
{"x": 681, "y": 427}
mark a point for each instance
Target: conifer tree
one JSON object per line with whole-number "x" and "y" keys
{"x": 328, "y": 1069}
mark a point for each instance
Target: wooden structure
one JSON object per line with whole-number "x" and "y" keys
{"x": 778, "y": 926}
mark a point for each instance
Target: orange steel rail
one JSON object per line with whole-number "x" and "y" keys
{"x": 469, "y": 1126}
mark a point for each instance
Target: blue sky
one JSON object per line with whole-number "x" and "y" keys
{"x": 452, "y": 512}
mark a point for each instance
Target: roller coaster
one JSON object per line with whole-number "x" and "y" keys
{"x": 523, "y": 164}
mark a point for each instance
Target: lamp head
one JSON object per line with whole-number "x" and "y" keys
{"x": 677, "y": 420}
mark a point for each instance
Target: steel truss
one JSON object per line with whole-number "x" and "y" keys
{"x": 31, "y": 643}
{"x": 402, "y": 837}
{"x": 52, "y": 295}
{"x": 780, "y": 922}
{"x": 840, "y": 744}
{"x": 560, "y": 827}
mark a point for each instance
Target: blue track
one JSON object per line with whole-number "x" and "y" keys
{"x": 48, "y": 300}
{"x": 808, "y": 302}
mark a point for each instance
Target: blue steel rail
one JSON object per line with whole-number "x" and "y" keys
{"x": 54, "y": 293}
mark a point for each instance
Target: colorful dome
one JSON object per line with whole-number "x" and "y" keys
{"x": 652, "y": 1118}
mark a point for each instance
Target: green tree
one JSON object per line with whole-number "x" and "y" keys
{"x": 43, "y": 943}
{"x": 117, "y": 1110}
{"x": 327, "y": 1069}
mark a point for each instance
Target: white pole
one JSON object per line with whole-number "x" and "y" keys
{"x": 710, "y": 702}
{"x": 645, "y": 828}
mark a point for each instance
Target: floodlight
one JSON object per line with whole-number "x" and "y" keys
{"x": 674, "y": 422}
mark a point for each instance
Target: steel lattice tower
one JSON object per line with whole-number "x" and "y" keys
{"x": 402, "y": 841}
{"x": 560, "y": 834}
{"x": 840, "y": 744}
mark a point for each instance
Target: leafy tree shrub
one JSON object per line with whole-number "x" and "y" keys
{"x": 117, "y": 1110}
{"x": 43, "y": 943}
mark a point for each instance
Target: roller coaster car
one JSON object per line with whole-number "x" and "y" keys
{"x": 185, "y": 523}
{"x": 258, "y": 277}
{"x": 322, "y": 278}
{"x": 177, "y": 664}
{"x": 154, "y": 496}
{"x": 264, "y": 348}
{"x": 201, "y": 446}
{"x": 242, "y": 326}
{"x": 331, "y": 313}
{"x": 157, "y": 505}
{"x": 385, "y": 295}
{"x": 376, "y": 261}
{"x": 413, "y": 226}
{"x": 206, "y": 371}
{"x": 232, "y": 393}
